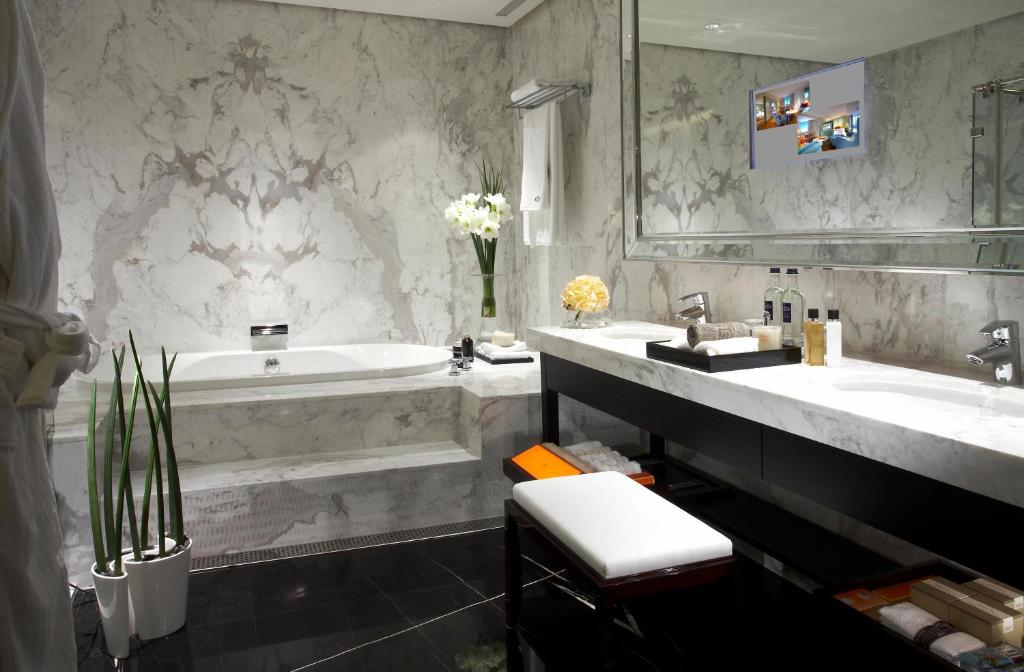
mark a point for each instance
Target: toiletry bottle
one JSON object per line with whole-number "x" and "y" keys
{"x": 467, "y": 350}
{"x": 792, "y": 310}
{"x": 833, "y": 339}
{"x": 814, "y": 339}
{"x": 773, "y": 296}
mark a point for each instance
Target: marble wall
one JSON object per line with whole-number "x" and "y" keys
{"x": 912, "y": 318}
{"x": 221, "y": 163}
{"x": 917, "y": 117}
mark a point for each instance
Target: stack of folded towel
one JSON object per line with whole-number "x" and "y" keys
{"x": 590, "y": 456}
{"x": 497, "y": 352}
{"x": 928, "y": 631}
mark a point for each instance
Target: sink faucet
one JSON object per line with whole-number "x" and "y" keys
{"x": 1003, "y": 352}
{"x": 696, "y": 308}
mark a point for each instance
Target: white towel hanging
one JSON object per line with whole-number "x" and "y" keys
{"x": 543, "y": 198}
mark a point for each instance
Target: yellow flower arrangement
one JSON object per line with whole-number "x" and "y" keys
{"x": 585, "y": 294}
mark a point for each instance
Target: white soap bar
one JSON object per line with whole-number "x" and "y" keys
{"x": 503, "y": 338}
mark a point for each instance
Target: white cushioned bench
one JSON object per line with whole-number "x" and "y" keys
{"x": 617, "y": 526}
{"x": 618, "y": 536}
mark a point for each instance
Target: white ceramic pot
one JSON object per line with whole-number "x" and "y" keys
{"x": 159, "y": 591}
{"x": 116, "y": 611}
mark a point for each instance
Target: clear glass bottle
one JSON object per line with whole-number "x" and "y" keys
{"x": 792, "y": 310}
{"x": 773, "y": 297}
{"x": 814, "y": 339}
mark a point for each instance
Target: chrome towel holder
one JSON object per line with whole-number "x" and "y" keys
{"x": 548, "y": 91}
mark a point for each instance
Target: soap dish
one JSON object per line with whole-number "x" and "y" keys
{"x": 718, "y": 363}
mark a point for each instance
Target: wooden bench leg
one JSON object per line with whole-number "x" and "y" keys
{"x": 605, "y": 607}
{"x": 513, "y": 573}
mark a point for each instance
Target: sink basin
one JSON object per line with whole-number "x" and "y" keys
{"x": 972, "y": 401}
{"x": 642, "y": 333}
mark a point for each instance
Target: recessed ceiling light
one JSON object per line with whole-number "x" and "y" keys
{"x": 713, "y": 27}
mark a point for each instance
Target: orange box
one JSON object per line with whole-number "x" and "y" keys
{"x": 540, "y": 462}
{"x": 860, "y": 599}
{"x": 900, "y": 591}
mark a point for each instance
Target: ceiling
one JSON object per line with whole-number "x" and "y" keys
{"x": 832, "y": 31}
{"x": 465, "y": 11}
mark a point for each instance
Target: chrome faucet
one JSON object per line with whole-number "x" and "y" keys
{"x": 696, "y": 308}
{"x": 1003, "y": 352}
{"x": 268, "y": 337}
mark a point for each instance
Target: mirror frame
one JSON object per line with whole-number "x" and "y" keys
{"x": 729, "y": 248}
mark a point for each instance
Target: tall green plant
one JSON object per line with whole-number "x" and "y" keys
{"x": 158, "y": 410}
{"x": 107, "y": 516}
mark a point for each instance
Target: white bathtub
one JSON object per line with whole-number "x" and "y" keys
{"x": 244, "y": 368}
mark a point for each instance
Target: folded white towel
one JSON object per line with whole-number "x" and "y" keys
{"x": 727, "y": 346}
{"x": 492, "y": 351}
{"x": 528, "y": 89}
{"x": 955, "y": 645}
{"x": 906, "y": 618}
{"x": 680, "y": 342}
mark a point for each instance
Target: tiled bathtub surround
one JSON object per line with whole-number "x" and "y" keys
{"x": 271, "y": 467}
{"x": 220, "y": 163}
{"x": 909, "y": 317}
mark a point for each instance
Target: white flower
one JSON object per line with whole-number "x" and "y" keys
{"x": 497, "y": 200}
{"x": 490, "y": 226}
{"x": 505, "y": 212}
{"x": 451, "y": 213}
{"x": 470, "y": 198}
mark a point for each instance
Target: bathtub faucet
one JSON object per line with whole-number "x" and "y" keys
{"x": 269, "y": 337}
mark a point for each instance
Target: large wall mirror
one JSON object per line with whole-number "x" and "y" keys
{"x": 876, "y": 134}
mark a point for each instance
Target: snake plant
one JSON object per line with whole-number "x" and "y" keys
{"x": 106, "y": 512}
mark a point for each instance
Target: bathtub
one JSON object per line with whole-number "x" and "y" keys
{"x": 244, "y": 368}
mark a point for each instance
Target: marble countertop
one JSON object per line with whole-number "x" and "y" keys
{"x": 980, "y": 453}
{"x": 485, "y": 381}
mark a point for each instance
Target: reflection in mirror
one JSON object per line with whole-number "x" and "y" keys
{"x": 825, "y": 133}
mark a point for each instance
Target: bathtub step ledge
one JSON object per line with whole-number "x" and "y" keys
{"x": 200, "y": 477}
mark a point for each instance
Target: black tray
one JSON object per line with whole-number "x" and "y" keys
{"x": 744, "y": 360}
{"x": 518, "y": 360}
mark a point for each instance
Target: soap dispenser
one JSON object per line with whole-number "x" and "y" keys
{"x": 792, "y": 309}
{"x": 814, "y": 339}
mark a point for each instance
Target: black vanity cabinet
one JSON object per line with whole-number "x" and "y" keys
{"x": 976, "y": 531}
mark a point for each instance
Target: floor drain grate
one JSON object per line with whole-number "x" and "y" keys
{"x": 352, "y": 543}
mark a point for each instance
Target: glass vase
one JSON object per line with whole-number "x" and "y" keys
{"x": 584, "y": 320}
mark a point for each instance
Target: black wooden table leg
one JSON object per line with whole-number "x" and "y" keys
{"x": 605, "y": 606}
{"x": 513, "y": 573}
{"x": 548, "y": 407}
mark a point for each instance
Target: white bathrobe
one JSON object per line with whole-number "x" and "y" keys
{"x": 36, "y": 630}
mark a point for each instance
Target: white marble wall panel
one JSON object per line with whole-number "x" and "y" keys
{"x": 221, "y": 163}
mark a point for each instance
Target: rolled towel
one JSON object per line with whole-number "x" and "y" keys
{"x": 718, "y": 331}
{"x": 728, "y": 346}
{"x": 955, "y": 645}
{"x": 907, "y": 619}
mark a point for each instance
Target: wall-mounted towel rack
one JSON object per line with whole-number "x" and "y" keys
{"x": 546, "y": 91}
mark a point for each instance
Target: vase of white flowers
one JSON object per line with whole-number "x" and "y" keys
{"x": 481, "y": 216}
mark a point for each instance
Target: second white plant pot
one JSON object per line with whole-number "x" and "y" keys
{"x": 115, "y": 610}
{"x": 159, "y": 592}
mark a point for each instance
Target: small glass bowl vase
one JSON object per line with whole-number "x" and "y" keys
{"x": 585, "y": 320}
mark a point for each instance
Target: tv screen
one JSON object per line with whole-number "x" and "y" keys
{"x": 816, "y": 116}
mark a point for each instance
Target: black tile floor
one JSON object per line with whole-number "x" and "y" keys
{"x": 436, "y": 605}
